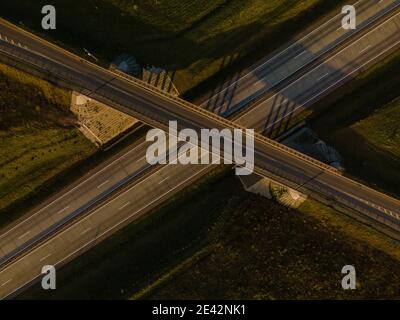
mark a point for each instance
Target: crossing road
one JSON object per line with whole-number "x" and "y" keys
{"x": 363, "y": 57}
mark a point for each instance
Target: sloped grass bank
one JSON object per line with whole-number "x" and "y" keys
{"x": 38, "y": 139}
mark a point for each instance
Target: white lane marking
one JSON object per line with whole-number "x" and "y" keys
{"x": 125, "y": 205}
{"x": 6, "y": 282}
{"x": 45, "y": 257}
{"x": 300, "y": 54}
{"x": 165, "y": 179}
{"x": 62, "y": 210}
{"x": 25, "y": 234}
{"x": 86, "y": 231}
{"x": 103, "y": 184}
{"x": 365, "y": 49}
{"x": 324, "y": 76}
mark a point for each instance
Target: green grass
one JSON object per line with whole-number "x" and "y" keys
{"x": 194, "y": 39}
{"x": 382, "y": 128}
{"x": 38, "y": 139}
{"x": 362, "y": 120}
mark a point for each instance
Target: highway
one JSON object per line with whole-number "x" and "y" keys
{"x": 333, "y": 71}
{"x": 240, "y": 90}
{"x": 173, "y": 177}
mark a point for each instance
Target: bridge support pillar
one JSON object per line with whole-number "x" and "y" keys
{"x": 271, "y": 189}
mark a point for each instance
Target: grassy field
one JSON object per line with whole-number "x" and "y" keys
{"x": 38, "y": 139}
{"x": 194, "y": 39}
{"x": 270, "y": 252}
{"x": 365, "y": 126}
{"x": 384, "y": 123}
{"x": 243, "y": 247}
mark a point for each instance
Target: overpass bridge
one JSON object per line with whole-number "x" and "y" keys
{"x": 156, "y": 108}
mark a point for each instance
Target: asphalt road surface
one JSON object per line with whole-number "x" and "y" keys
{"x": 167, "y": 179}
